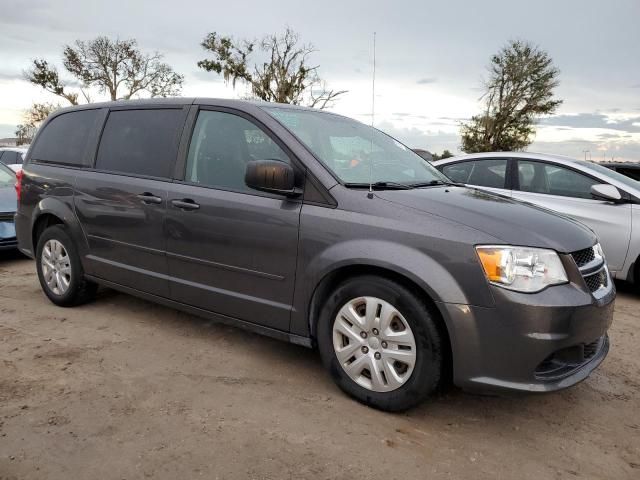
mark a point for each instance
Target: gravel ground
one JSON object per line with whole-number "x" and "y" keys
{"x": 122, "y": 388}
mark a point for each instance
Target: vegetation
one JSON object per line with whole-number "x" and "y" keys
{"x": 117, "y": 68}
{"x": 519, "y": 89}
{"x": 32, "y": 120}
{"x": 284, "y": 76}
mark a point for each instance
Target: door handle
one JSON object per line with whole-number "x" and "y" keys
{"x": 185, "y": 204}
{"x": 148, "y": 197}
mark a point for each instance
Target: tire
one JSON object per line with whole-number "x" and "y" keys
{"x": 77, "y": 289}
{"x": 406, "y": 389}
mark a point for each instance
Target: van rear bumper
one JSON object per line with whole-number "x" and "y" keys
{"x": 23, "y": 234}
{"x": 530, "y": 342}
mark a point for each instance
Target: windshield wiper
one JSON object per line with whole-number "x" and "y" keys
{"x": 432, "y": 183}
{"x": 380, "y": 185}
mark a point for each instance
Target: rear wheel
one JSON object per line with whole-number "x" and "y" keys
{"x": 60, "y": 270}
{"x": 380, "y": 343}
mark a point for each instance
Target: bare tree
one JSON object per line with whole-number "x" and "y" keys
{"x": 520, "y": 88}
{"x": 32, "y": 119}
{"x": 284, "y": 76}
{"x": 115, "y": 67}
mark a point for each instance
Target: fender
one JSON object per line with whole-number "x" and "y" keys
{"x": 65, "y": 212}
{"x": 403, "y": 260}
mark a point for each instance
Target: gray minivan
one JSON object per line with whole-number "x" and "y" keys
{"x": 316, "y": 229}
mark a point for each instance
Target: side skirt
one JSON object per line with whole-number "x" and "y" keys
{"x": 216, "y": 317}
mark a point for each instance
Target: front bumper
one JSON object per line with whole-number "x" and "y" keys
{"x": 530, "y": 342}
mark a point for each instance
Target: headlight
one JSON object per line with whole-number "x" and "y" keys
{"x": 522, "y": 269}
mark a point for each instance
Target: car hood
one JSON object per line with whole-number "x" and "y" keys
{"x": 511, "y": 221}
{"x": 8, "y": 202}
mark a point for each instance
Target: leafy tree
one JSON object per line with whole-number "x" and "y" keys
{"x": 284, "y": 76}
{"x": 519, "y": 89}
{"x": 115, "y": 67}
{"x": 33, "y": 118}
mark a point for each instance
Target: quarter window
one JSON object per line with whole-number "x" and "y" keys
{"x": 538, "y": 177}
{"x": 65, "y": 138}
{"x": 490, "y": 173}
{"x": 141, "y": 142}
{"x": 221, "y": 146}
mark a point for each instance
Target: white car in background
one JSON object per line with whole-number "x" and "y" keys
{"x": 606, "y": 201}
{"x": 13, "y": 157}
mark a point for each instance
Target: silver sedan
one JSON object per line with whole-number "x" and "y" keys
{"x": 604, "y": 200}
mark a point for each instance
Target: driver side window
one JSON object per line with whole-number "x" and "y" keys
{"x": 221, "y": 146}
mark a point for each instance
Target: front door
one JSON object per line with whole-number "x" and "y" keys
{"x": 230, "y": 249}
{"x": 569, "y": 192}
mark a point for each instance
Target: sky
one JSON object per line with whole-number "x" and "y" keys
{"x": 431, "y": 58}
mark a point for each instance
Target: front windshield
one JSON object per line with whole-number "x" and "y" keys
{"x": 628, "y": 181}
{"x": 354, "y": 152}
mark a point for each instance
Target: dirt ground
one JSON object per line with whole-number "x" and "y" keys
{"x": 124, "y": 389}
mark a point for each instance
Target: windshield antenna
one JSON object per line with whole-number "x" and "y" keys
{"x": 373, "y": 112}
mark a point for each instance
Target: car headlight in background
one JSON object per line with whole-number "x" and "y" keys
{"x": 523, "y": 269}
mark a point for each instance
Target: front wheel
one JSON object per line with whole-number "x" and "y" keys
{"x": 380, "y": 343}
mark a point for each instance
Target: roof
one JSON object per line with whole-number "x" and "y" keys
{"x": 621, "y": 164}
{"x": 185, "y": 101}
{"x": 14, "y": 149}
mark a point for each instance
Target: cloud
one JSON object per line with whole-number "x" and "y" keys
{"x": 593, "y": 120}
{"x": 11, "y": 75}
{"x": 619, "y": 150}
{"x": 434, "y": 141}
{"x": 427, "y": 80}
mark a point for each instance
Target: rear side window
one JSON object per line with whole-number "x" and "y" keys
{"x": 483, "y": 173}
{"x": 140, "y": 142}
{"x": 458, "y": 172}
{"x": 65, "y": 138}
{"x": 10, "y": 158}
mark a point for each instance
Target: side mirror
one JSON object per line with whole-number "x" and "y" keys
{"x": 606, "y": 192}
{"x": 274, "y": 176}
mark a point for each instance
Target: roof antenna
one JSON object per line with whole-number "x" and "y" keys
{"x": 373, "y": 112}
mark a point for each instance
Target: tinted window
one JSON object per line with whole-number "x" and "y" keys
{"x": 64, "y": 140}
{"x": 458, "y": 172}
{"x": 140, "y": 142}
{"x": 221, "y": 146}
{"x": 483, "y": 173}
{"x": 7, "y": 177}
{"x": 630, "y": 172}
{"x": 9, "y": 158}
{"x": 553, "y": 179}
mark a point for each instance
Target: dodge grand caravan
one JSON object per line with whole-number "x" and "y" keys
{"x": 316, "y": 229}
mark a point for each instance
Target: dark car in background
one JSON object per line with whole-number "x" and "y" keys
{"x": 7, "y": 208}
{"x": 314, "y": 228}
{"x": 630, "y": 169}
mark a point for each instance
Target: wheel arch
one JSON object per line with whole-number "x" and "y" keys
{"x": 342, "y": 273}
{"x": 52, "y": 211}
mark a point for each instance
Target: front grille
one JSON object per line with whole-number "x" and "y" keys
{"x": 597, "y": 280}
{"x": 569, "y": 360}
{"x": 590, "y": 349}
{"x": 592, "y": 268}
{"x": 6, "y": 216}
{"x": 583, "y": 257}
